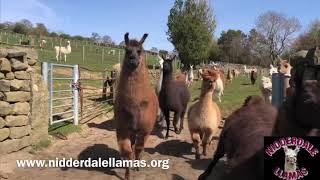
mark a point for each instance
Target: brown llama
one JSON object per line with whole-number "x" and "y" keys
{"x": 229, "y": 76}
{"x": 136, "y": 103}
{"x": 174, "y": 96}
{"x": 253, "y": 77}
{"x": 242, "y": 140}
{"x": 204, "y": 116}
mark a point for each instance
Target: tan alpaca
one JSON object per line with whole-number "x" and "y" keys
{"x": 204, "y": 116}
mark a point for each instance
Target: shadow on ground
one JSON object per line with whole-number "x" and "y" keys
{"x": 94, "y": 153}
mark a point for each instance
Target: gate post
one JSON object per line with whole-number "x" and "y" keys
{"x": 44, "y": 69}
{"x": 277, "y": 89}
{"x": 76, "y": 95}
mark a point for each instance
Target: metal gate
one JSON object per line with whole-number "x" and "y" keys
{"x": 63, "y": 85}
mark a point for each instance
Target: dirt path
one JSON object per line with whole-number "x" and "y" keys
{"x": 98, "y": 140}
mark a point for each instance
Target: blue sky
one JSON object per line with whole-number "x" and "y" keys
{"x": 115, "y": 17}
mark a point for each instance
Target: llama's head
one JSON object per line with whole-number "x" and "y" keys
{"x": 291, "y": 155}
{"x": 167, "y": 64}
{"x": 285, "y": 67}
{"x": 272, "y": 70}
{"x": 134, "y": 52}
{"x": 209, "y": 77}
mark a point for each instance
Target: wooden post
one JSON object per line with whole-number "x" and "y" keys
{"x": 119, "y": 56}
{"x": 102, "y": 56}
{"x": 83, "y": 54}
{"x": 7, "y": 40}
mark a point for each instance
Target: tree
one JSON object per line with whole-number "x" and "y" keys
{"x": 190, "y": 29}
{"x": 107, "y": 40}
{"x": 95, "y": 37}
{"x": 277, "y": 30}
{"x": 308, "y": 39}
{"x": 163, "y": 52}
{"x": 20, "y": 28}
{"x": 41, "y": 30}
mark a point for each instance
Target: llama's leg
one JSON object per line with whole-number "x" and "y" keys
{"x": 182, "y": 119}
{"x": 125, "y": 152}
{"x": 65, "y": 58}
{"x": 208, "y": 134}
{"x": 175, "y": 122}
{"x": 139, "y": 147}
{"x": 57, "y": 56}
{"x": 217, "y": 155}
{"x": 195, "y": 136}
{"x": 167, "y": 117}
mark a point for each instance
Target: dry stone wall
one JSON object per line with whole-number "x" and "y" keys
{"x": 22, "y": 96}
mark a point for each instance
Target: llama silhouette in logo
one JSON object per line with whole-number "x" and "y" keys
{"x": 290, "y": 164}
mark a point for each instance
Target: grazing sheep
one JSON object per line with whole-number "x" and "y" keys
{"x": 266, "y": 88}
{"x": 174, "y": 96}
{"x": 63, "y": 51}
{"x": 136, "y": 104}
{"x": 204, "y": 116}
{"x": 300, "y": 112}
{"x": 242, "y": 140}
{"x": 253, "y": 77}
{"x": 42, "y": 44}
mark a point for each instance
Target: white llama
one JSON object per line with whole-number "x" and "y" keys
{"x": 290, "y": 164}
{"x": 190, "y": 75}
{"x": 42, "y": 44}
{"x": 63, "y": 50}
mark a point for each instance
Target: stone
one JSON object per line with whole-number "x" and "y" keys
{"x": 23, "y": 85}
{"x": 2, "y": 122}
{"x": 2, "y": 76}
{"x": 4, "y": 85}
{"x": 18, "y": 132}
{"x": 16, "y": 54}
{"x": 40, "y": 109}
{"x": 4, "y": 133}
{"x": 23, "y": 75}
{"x": 5, "y": 65}
{"x": 10, "y": 76}
{"x": 21, "y": 108}
{"x": 3, "y": 53}
{"x": 21, "y": 120}
{"x": 32, "y": 62}
{"x": 10, "y": 145}
{"x": 1, "y": 96}
{"x": 5, "y": 108}
{"x": 16, "y": 85}
{"x": 17, "y": 96}
{"x": 18, "y": 65}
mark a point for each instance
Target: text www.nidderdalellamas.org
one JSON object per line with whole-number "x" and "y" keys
{"x": 92, "y": 163}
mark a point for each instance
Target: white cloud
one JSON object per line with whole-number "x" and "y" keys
{"x": 33, "y": 10}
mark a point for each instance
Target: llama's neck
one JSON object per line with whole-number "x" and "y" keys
{"x": 160, "y": 80}
{"x": 166, "y": 78}
{"x": 290, "y": 167}
{"x": 68, "y": 48}
{"x": 206, "y": 94}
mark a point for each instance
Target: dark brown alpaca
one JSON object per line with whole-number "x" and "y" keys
{"x": 242, "y": 140}
{"x": 253, "y": 77}
{"x": 136, "y": 104}
{"x": 299, "y": 115}
{"x": 174, "y": 96}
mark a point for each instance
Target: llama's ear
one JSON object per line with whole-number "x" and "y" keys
{"x": 285, "y": 148}
{"x": 143, "y": 38}
{"x": 297, "y": 149}
{"x": 126, "y": 38}
{"x": 163, "y": 57}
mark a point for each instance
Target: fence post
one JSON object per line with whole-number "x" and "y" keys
{"x": 277, "y": 89}
{"x": 102, "y": 56}
{"x": 83, "y": 54}
{"x": 44, "y": 69}
{"x": 75, "y": 95}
